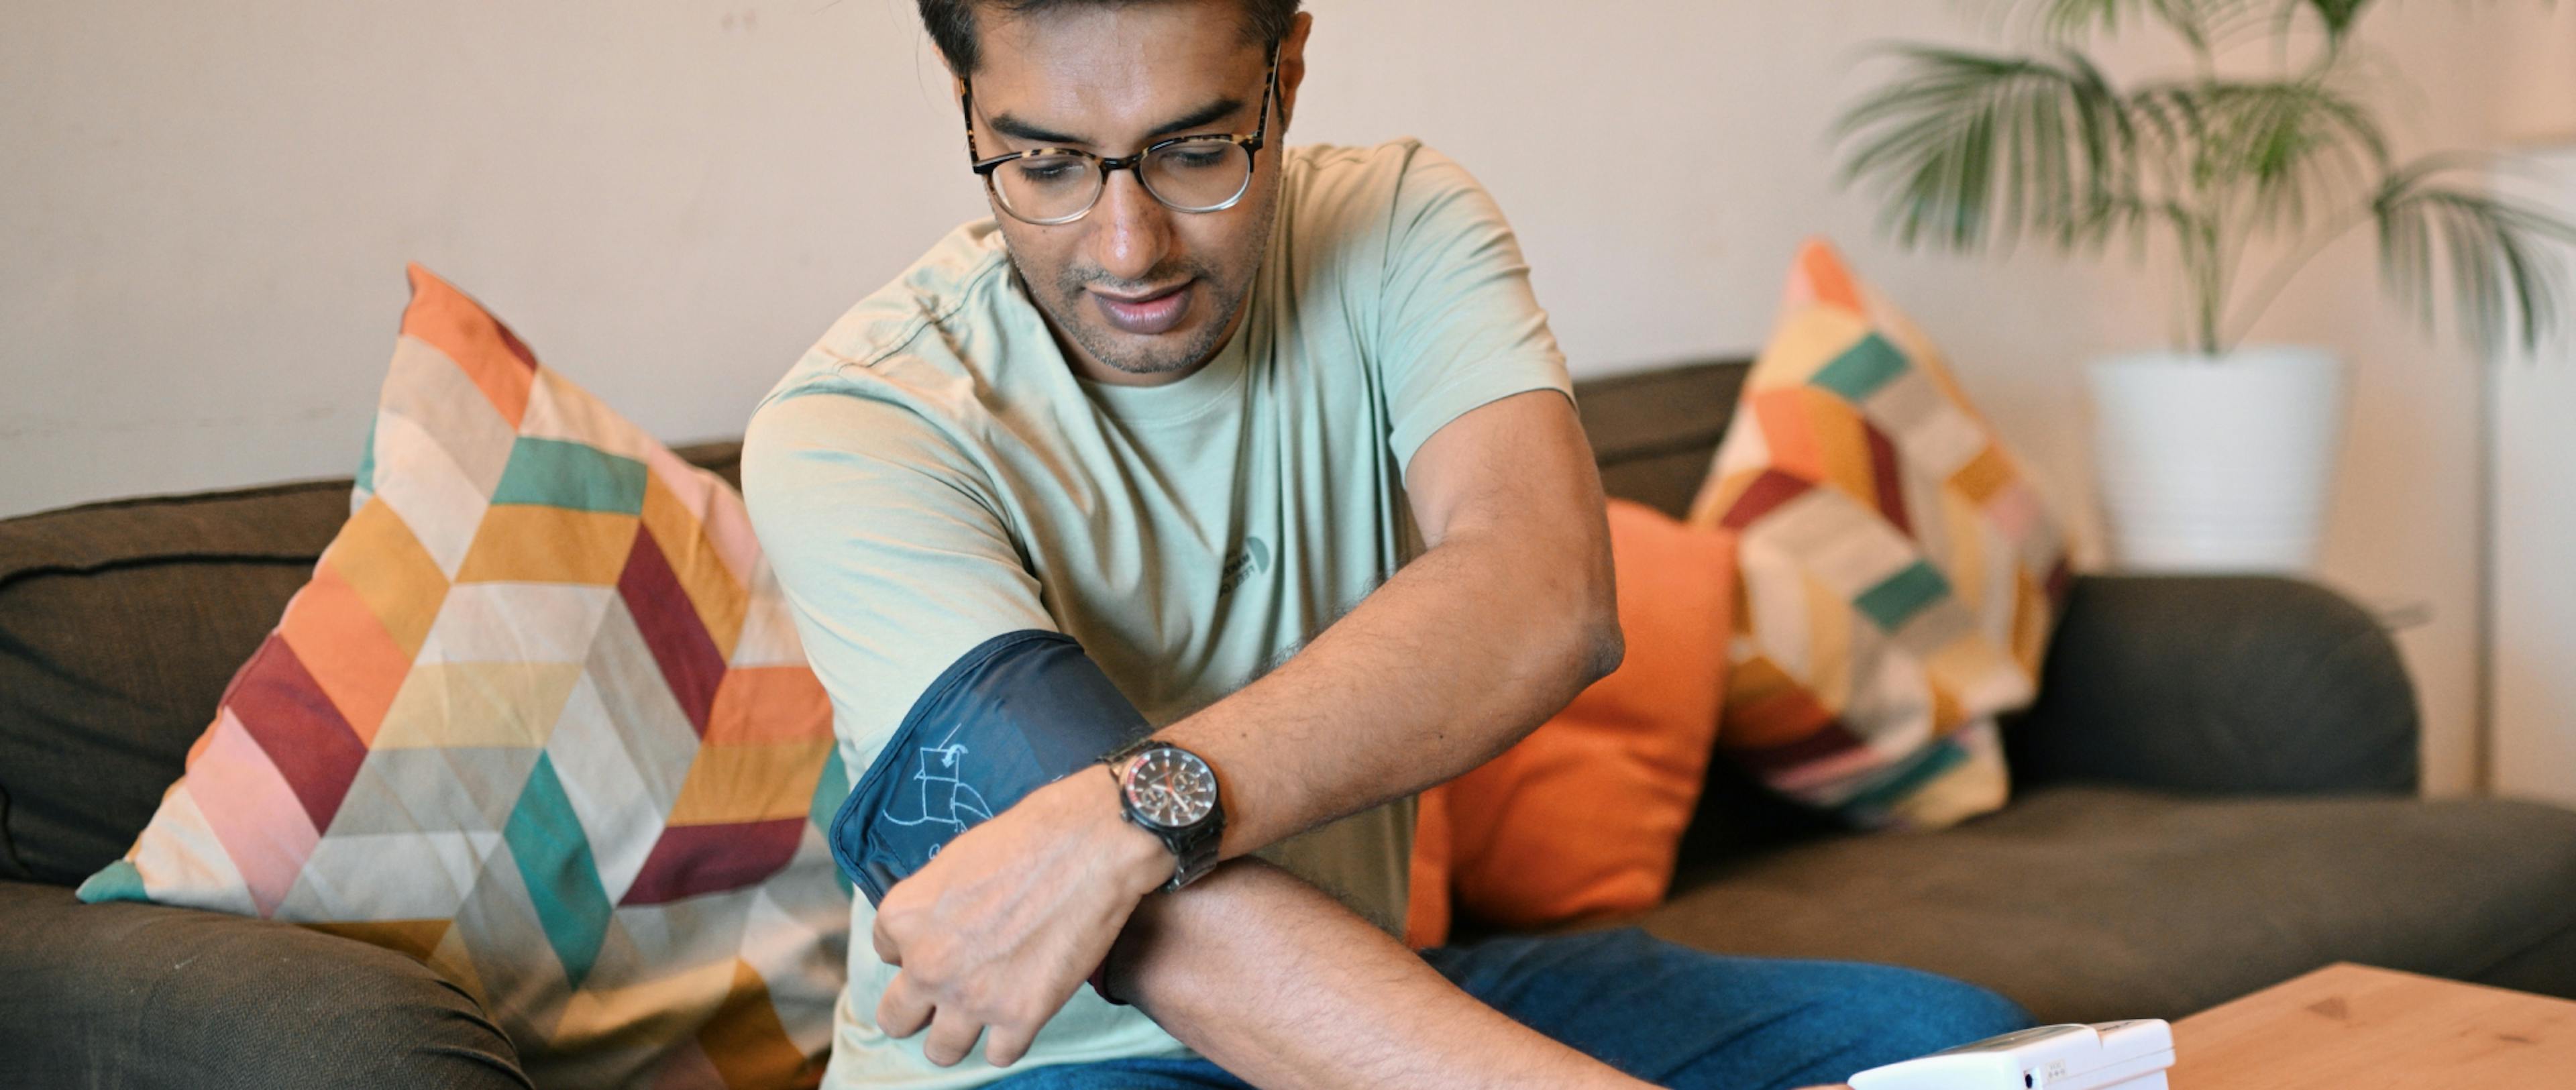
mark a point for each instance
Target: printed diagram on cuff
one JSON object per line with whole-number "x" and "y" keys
{"x": 943, "y": 798}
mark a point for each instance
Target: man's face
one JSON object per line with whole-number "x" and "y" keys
{"x": 1136, "y": 292}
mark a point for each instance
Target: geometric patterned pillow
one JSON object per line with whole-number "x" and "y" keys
{"x": 540, "y": 720}
{"x": 1898, "y": 575}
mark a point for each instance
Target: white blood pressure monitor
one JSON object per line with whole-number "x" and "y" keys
{"x": 2128, "y": 1055}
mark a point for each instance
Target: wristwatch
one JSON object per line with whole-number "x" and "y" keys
{"x": 1172, "y": 793}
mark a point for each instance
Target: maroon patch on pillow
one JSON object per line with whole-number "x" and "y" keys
{"x": 1765, "y": 494}
{"x": 689, "y": 658}
{"x": 1883, "y": 471}
{"x": 1828, "y": 740}
{"x": 692, "y": 859}
{"x": 290, "y": 717}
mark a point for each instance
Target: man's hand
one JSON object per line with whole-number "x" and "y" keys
{"x": 1000, "y": 928}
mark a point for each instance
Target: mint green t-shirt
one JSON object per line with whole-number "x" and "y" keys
{"x": 933, "y": 474}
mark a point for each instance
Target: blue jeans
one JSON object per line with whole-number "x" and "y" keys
{"x": 1667, "y": 1014}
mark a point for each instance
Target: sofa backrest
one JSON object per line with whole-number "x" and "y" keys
{"x": 121, "y": 622}
{"x": 1654, "y": 432}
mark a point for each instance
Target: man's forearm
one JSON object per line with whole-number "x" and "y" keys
{"x": 1282, "y": 986}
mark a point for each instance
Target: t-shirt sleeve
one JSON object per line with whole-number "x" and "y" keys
{"x": 894, "y": 561}
{"x": 1458, "y": 327}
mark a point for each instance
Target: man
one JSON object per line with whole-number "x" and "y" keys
{"x": 1270, "y": 451}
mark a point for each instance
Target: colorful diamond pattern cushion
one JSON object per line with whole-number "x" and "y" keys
{"x": 1898, "y": 575}
{"x": 540, "y": 719}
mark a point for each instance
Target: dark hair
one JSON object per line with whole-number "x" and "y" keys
{"x": 952, "y": 22}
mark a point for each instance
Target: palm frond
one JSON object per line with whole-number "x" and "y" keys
{"x": 1973, "y": 149}
{"x": 2293, "y": 145}
{"x": 2136, "y": 216}
{"x": 2506, "y": 282}
{"x": 2336, "y": 16}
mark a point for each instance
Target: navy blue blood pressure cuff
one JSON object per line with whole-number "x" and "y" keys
{"x": 1018, "y": 712}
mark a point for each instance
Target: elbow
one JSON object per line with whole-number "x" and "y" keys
{"x": 1601, "y": 649}
{"x": 1598, "y": 646}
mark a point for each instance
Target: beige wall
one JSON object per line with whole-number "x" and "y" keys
{"x": 209, "y": 207}
{"x": 2537, "y": 96}
{"x": 2534, "y": 632}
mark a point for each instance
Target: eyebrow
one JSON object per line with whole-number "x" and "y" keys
{"x": 1011, "y": 126}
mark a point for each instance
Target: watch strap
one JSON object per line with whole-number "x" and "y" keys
{"x": 1115, "y": 762}
{"x": 1196, "y": 850}
{"x": 1119, "y": 756}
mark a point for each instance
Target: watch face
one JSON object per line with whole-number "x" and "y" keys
{"x": 1171, "y": 788}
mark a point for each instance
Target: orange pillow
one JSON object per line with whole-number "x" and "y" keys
{"x": 1426, "y": 907}
{"x": 1583, "y": 817}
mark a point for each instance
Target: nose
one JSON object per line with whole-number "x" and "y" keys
{"x": 1132, "y": 231}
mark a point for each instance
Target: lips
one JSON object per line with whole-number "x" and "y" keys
{"x": 1148, "y": 315}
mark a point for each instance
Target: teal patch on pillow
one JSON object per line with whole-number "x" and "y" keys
{"x": 118, "y": 881}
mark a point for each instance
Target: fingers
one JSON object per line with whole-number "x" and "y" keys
{"x": 1004, "y": 1045}
{"x": 952, "y": 1036}
{"x": 903, "y": 1010}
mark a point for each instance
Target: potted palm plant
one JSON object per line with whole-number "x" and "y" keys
{"x": 2213, "y": 453}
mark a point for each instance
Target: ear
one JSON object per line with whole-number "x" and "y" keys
{"x": 1292, "y": 64}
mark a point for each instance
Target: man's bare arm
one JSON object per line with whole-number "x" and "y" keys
{"x": 1283, "y": 987}
{"x": 1506, "y": 616}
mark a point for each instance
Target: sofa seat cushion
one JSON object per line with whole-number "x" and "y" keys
{"x": 146, "y": 997}
{"x": 2094, "y": 903}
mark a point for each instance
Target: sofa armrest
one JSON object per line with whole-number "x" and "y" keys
{"x": 2218, "y": 683}
{"x": 139, "y": 995}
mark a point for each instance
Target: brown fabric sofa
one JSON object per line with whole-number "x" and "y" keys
{"x": 2215, "y": 792}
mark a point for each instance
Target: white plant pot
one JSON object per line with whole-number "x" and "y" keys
{"x": 2218, "y": 463}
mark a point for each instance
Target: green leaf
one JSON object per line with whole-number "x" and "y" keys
{"x": 1970, "y": 149}
{"x": 2336, "y": 15}
{"x": 2293, "y": 146}
{"x": 2507, "y": 283}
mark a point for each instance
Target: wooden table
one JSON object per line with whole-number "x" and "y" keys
{"x": 2351, "y": 1027}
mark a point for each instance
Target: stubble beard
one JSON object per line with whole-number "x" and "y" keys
{"x": 1076, "y": 314}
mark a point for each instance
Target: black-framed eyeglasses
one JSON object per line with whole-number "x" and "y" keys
{"x": 1051, "y": 186}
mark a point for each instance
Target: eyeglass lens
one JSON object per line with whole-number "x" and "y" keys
{"x": 1192, "y": 176}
